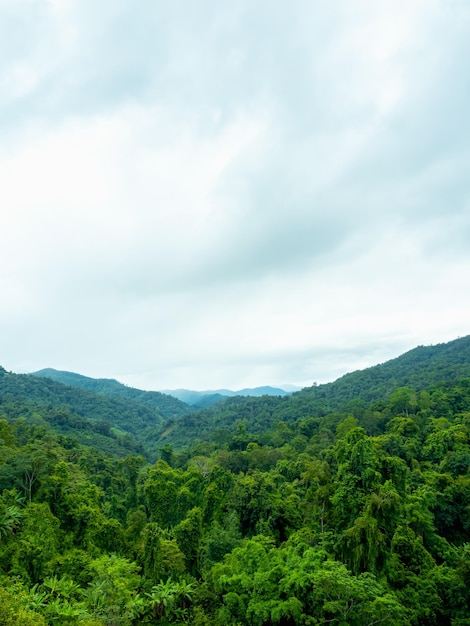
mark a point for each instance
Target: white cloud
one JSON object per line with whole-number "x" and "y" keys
{"x": 208, "y": 196}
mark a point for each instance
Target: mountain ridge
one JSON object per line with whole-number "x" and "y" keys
{"x": 419, "y": 368}
{"x": 84, "y": 411}
{"x": 196, "y": 398}
{"x": 190, "y": 397}
{"x": 168, "y": 405}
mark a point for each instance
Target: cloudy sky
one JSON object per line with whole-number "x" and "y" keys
{"x": 225, "y": 194}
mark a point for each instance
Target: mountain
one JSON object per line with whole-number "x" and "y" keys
{"x": 155, "y": 419}
{"x": 88, "y": 414}
{"x": 257, "y": 392}
{"x": 417, "y": 369}
{"x": 208, "y": 398}
{"x": 290, "y": 388}
{"x": 166, "y": 405}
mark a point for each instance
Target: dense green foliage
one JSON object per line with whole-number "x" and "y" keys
{"x": 360, "y": 516}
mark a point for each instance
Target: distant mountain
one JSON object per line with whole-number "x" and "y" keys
{"x": 417, "y": 369}
{"x": 290, "y": 388}
{"x": 257, "y": 392}
{"x": 208, "y": 398}
{"x": 167, "y": 406}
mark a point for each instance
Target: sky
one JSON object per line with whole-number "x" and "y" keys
{"x": 231, "y": 194}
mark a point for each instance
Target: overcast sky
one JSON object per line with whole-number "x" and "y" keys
{"x": 211, "y": 194}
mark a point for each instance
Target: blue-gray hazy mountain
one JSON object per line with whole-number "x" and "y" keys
{"x": 210, "y": 397}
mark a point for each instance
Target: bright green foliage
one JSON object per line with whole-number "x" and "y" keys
{"x": 112, "y": 595}
{"x": 7, "y": 439}
{"x": 169, "y": 493}
{"x": 288, "y": 513}
{"x": 261, "y": 584}
{"x": 10, "y": 518}
{"x": 266, "y": 502}
{"x": 159, "y": 555}
{"x": 13, "y": 612}
{"x": 38, "y": 542}
{"x": 189, "y": 537}
{"x": 170, "y": 600}
{"x": 58, "y": 599}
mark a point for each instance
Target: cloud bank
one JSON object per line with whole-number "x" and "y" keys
{"x": 203, "y": 195}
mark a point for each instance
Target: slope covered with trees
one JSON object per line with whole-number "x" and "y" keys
{"x": 350, "y": 517}
{"x": 166, "y": 405}
{"x": 90, "y": 414}
{"x": 416, "y": 369}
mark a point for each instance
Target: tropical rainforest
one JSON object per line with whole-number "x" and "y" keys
{"x": 343, "y": 504}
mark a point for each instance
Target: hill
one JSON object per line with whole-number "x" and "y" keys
{"x": 166, "y": 405}
{"x": 82, "y": 412}
{"x": 417, "y": 369}
{"x": 155, "y": 419}
{"x": 277, "y": 513}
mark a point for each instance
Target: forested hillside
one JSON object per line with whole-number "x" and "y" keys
{"x": 166, "y": 405}
{"x": 130, "y": 421}
{"x": 357, "y": 516}
{"x": 417, "y": 369}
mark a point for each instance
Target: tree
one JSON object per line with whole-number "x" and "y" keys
{"x": 403, "y": 401}
{"x": 37, "y": 543}
{"x": 170, "y": 599}
{"x": 189, "y": 537}
{"x": 112, "y": 594}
